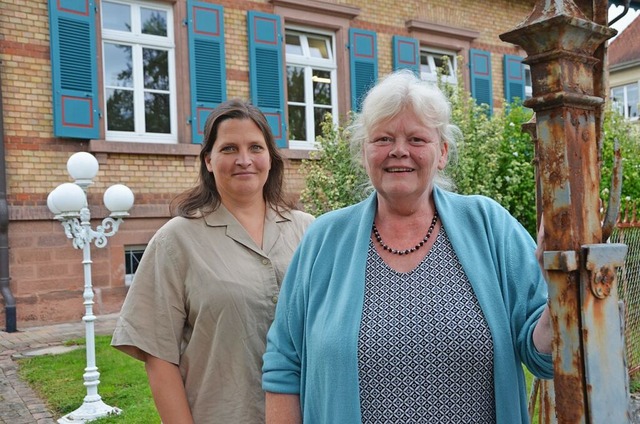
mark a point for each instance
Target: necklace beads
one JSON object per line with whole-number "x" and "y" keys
{"x": 376, "y": 234}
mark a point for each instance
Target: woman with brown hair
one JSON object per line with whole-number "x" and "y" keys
{"x": 205, "y": 291}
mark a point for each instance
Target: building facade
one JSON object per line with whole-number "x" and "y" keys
{"x": 132, "y": 82}
{"x": 624, "y": 71}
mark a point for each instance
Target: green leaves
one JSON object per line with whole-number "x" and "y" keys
{"x": 333, "y": 179}
{"x": 628, "y": 135}
{"x": 494, "y": 159}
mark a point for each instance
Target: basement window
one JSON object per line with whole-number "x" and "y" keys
{"x": 132, "y": 257}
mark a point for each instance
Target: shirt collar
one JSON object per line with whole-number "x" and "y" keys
{"x": 221, "y": 217}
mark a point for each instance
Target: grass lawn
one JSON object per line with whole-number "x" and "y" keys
{"x": 123, "y": 382}
{"x": 529, "y": 378}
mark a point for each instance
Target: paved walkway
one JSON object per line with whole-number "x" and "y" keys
{"x": 18, "y": 403}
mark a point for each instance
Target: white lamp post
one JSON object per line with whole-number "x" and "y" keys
{"x": 68, "y": 202}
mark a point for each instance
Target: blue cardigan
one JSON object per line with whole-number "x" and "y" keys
{"x": 312, "y": 344}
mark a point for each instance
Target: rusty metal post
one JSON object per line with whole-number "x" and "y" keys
{"x": 588, "y": 347}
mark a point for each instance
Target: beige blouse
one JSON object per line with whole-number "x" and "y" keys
{"x": 203, "y": 297}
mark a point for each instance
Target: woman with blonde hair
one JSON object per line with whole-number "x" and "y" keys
{"x": 416, "y": 305}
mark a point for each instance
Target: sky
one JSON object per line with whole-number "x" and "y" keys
{"x": 625, "y": 21}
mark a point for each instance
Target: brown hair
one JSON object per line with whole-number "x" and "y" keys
{"x": 205, "y": 196}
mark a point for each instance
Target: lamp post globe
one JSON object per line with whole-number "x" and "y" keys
{"x": 118, "y": 199}
{"x": 54, "y": 210}
{"x": 83, "y": 168}
{"x": 66, "y": 198}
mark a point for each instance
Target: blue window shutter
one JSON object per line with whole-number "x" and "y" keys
{"x": 481, "y": 82}
{"x": 206, "y": 62}
{"x": 74, "y": 69}
{"x": 406, "y": 54}
{"x": 513, "y": 78}
{"x": 363, "y": 63}
{"x": 266, "y": 82}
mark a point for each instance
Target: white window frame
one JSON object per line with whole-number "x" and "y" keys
{"x": 432, "y": 54}
{"x": 138, "y": 42}
{"x": 128, "y": 251}
{"x": 528, "y": 85}
{"x": 625, "y": 100}
{"x": 309, "y": 63}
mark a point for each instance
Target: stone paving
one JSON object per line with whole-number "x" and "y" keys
{"x": 18, "y": 403}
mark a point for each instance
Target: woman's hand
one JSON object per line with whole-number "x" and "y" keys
{"x": 540, "y": 248}
{"x": 543, "y": 333}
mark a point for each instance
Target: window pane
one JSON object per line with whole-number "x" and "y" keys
{"x": 528, "y": 87}
{"x": 295, "y": 84}
{"x": 442, "y": 63}
{"x": 293, "y": 44}
{"x": 156, "y": 113}
{"x": 318, "y": 115}
{"x": 139, "y": 70}
{"x": 117, "y": 65}
{"x": 132, "y": 257}
{"x": 297, "y": 126}
{"x": 156, "y": 69}
{"x": 321, "y": 87}
{"x": 617, "y": 98}
{"x": 425, "y": 67}
{"x": 618, "y": 93}
{"x": 154, "y": 22}
{"x": 632, "y": 100}
{"x": 120, "y": 110}
{"x": 318, "y": 47}
{"x": 311, "y": 84}
{"x": 116, "y": 16}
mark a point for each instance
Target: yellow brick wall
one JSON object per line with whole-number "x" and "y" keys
{"x": 35, "y": 159}
{"x": 34, "y": 156}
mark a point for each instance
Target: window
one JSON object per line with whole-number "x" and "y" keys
{"x": 139, "y": 72}
{"x": 434, "y": 62}
{"x": 311, "y": 84}
{"x": 626, "y": 99}
{"x": 132, "y": 256}
{"x": 528, "y": 86}
{"x": 125, "y": 56}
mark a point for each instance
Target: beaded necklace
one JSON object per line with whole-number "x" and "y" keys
{"x": 406, "y": 251}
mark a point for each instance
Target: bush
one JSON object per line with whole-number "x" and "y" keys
{"x": 628, "y": 136}
{"x": 494, "y": 159}
{"x": 332, "y": 179}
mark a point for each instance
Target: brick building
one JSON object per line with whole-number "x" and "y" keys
{"x": 131, "y": 82}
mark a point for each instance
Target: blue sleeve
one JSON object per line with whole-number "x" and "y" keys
{"x": 527, "y": 299}
{"x": 283, "y": 357}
